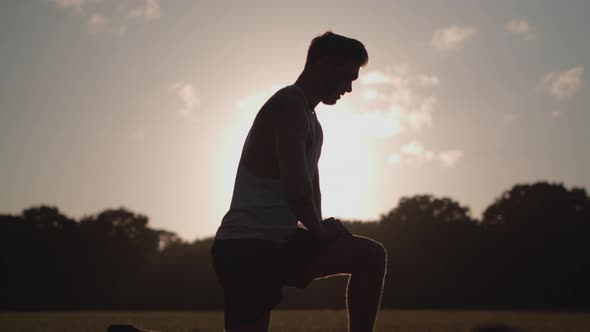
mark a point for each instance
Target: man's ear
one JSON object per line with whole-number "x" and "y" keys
{"x": 324, "y": 61}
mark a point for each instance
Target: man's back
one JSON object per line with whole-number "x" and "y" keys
{"x": 260, "y": 207}
{"x": 258, "y": 154}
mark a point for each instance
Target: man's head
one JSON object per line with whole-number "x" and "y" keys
{"x": 334, "y": 61}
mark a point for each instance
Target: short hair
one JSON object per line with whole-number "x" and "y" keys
{"x": 338, "y": 49}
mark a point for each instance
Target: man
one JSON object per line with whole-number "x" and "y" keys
{"x": 259, "y": 247}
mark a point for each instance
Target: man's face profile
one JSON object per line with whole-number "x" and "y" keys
{"x": 338, "y": 80}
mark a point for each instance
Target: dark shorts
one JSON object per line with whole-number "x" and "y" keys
{"x": 252, "y": 273}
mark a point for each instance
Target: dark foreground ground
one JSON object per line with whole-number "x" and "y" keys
{"x": 287, "y": 321}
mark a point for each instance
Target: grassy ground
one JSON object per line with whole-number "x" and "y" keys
{"x": 288, "y": 321}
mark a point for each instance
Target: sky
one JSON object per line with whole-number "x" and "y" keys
{"x": 145, "y": 104}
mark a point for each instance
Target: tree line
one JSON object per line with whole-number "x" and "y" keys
{"x": 529, "y": 250}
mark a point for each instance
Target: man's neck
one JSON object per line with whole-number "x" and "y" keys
{"x": 311, "y": 92}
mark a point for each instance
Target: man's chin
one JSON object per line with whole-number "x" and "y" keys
{"x": 330, "y": 101}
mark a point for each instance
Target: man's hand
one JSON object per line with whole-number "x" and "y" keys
{"x": 332, "y": 229}
{"x": 338, "y": 224}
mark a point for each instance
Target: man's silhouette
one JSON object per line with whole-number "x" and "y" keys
{"x": 259, "y": 247}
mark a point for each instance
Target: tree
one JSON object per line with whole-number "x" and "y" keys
{"x": 115, "y": 252}
{"x": 540, "y": 206}
{"x": 430, "y": 251}
{"x": 538, "y": 239}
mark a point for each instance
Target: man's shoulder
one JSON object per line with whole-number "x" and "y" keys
{"x": 284, "y": 111}
{"x": 285, "y": 107}
{"x": 288, "y": 97}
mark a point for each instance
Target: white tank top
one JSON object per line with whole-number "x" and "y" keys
{"x": 259, "y": 207}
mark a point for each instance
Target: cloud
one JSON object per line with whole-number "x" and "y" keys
{"x": 77, "y": 6}
{"x": 414, "y": 153}
{"x": 422, "y": 115}
{"x": 449, "y": 158}
{"x": 562, "y": 85}
{"x": 150, "y": 10}
{"x": 186, "y": 92}
{"x": 69, "y": 3}
{"x": 375, "y": 77}
{"x": 398, "y": 101}
{"x": 452, "y": 37}
{"x": 371, "y": 94}
{"x": 397, "y": 91}
{"x": 428, "y": 80}
{"x": 391, "y": 75}
{"x": 374, "y": 124}
{"x": 413, "y": 148}
{"x": 98, "y": 13}
{"x": 96, "y": 23}
{"x": 520, "y": 27}
{"x": 393, "y": 100}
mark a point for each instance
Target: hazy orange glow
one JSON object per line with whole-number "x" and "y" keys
{"x": 346, "y": 166}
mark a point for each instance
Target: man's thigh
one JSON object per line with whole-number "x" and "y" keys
{"x": 246, "y": 270}
{"x": 346, "y": 255}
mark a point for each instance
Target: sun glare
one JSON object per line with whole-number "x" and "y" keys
{"x": 346, "y": 167}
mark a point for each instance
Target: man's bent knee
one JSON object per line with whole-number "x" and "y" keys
{"x": 379, "y": 256}
{"x": 372, "y": 256}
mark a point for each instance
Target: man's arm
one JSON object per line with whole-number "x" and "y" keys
{"x": 290, "y": 131}
{"x": 317, "y": 195}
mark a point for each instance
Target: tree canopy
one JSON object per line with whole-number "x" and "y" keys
{"x": 529, "y": 250}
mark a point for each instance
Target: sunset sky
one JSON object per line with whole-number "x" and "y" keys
{"x": 145, "y": 104}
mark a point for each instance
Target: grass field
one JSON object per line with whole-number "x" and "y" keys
{"x": 287, "y": 321}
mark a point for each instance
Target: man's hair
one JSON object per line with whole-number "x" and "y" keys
{"x": 338, "y": 49}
